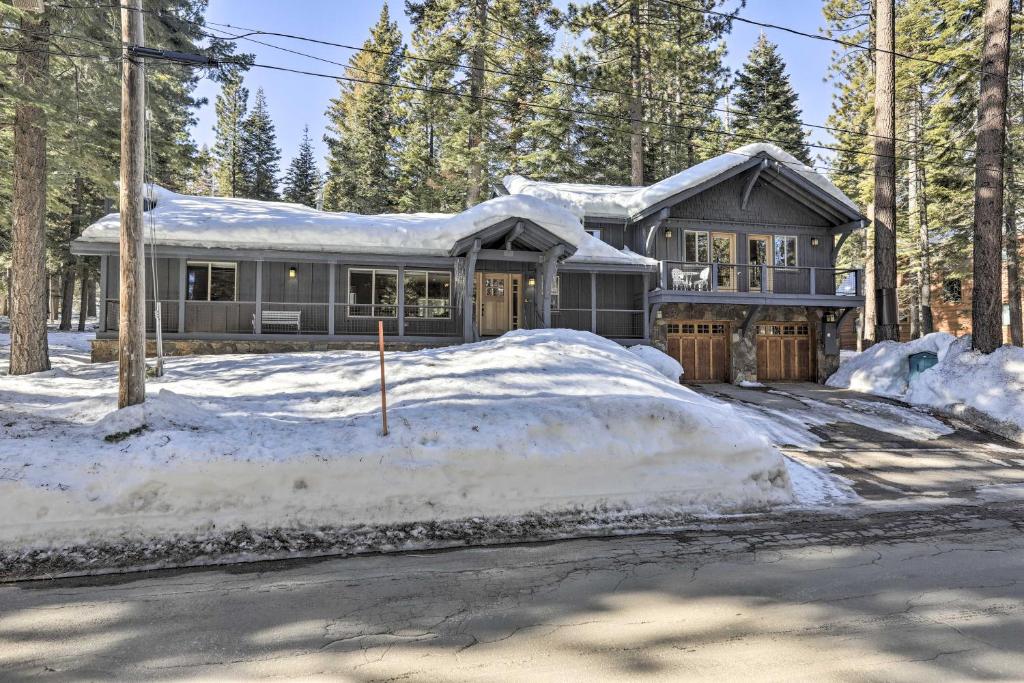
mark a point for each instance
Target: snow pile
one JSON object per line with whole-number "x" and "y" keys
{"x": 992, "y": 385}
{"x": 538, "y": 422}
{"x": 624, "y": 202}
{"x": 659, "y": 360}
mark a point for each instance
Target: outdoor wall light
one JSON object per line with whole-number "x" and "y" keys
{"x": 292, "y": 272}
{"x": 531, "y": 282}
{"x": 815, "y": 241}
{"x": 668, "y": 233}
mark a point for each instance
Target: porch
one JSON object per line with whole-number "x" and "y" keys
{"x": 709, "y": 282}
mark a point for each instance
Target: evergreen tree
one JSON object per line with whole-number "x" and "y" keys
{"x": 302, "y": 182}
{"x": 362, "y": 154}
{"x": 260, "y": 153}
{"x": 229, "y": 147}
{"x": 765, "y": 104}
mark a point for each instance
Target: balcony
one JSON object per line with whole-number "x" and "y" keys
{"x": 759, "y": 284}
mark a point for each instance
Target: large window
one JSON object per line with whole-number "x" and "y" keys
{"x": 373, "y": 293}
{"x": 695, "y": 247}
{"x": 785, "y": 250}
{"x": 211, "y": 281}
{"x": 428, "y": 294}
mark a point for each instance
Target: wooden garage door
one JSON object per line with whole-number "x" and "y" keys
{"x": 702, "y": 349}
{"x": 784, "y": 352}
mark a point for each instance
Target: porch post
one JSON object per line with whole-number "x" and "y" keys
{"x": 257, "y": 324}
{"x": 467, "y": 298}
{"x": 814, "y": 285}
{"x": 593, "y": 303}
{"x": 550, "y": 269}
{"x": 401, "y": 301}
{"x": 714, "y": 277}
{"x": 331, "y": 297}
{"x": 102, "y": 311}
{"x": 182, "y": 286}
{"x": 647, "y": 311}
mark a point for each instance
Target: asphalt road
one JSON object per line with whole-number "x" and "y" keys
{"x": 921, "y": 582}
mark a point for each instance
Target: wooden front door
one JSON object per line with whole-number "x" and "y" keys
{"x": 759, "y": 254}
{"x": 784, "y": 352}
{"x": 702, "y": 348}
{"x": 497, "y": 303}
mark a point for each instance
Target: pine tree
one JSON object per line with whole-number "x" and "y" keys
{"x": 361, "y": 159}
{"x": 260, "y": 153}
{"x": 302, "y": 182}
{"x": 765, "y": 104}
{"x": 229, "y": 148}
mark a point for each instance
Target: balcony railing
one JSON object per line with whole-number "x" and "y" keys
{"x": 760, "y": 279}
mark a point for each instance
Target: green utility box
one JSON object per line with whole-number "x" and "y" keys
{"x": 919, "y": 362}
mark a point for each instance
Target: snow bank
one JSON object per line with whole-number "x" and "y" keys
{"x": 538, "y": 422}
{"x": 992, "y": 385}
{"x": 659, "y": 360}
{"x": 616, "y": 201}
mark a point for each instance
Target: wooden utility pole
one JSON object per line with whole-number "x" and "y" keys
{"x": 987, "y": 301}
{"x": 886, "y": 321}
{"x": 28, "y": 283}
{"x": 131, "y": 337}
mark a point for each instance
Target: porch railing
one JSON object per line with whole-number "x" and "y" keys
{"x": 168, "y": 316}
{"x": 764, "y": 279}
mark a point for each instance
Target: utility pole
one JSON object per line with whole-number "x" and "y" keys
{"x": 887, "y": 320}
{"x": 131, "y": 336}
{"x": 987, "y": 301}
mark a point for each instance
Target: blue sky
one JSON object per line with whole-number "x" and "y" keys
{"x": 296, "y": 100}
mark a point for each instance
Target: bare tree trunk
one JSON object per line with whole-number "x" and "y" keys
{"x": 921, "y": 310}
{"x": 475, "y": 189}
{"x": 83, "y": 296}
{"x": 986, "y": 303}
{"x": 636, "y": 106}
{"x": 67, "y": 296}
{"x": 915, "y": 308}
{"x": 131, "y": 340}
{"x": 1013, "y": 255}
{"x": 887, "y": 321}
{"x": 925, "y": 268}
{"x": 29, "y": 351}
{"x": 867, "y": 328}
{"x": 7, "y": 295}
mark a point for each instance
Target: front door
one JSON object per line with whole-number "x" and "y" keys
{"x": 760, "y": 254}
{"x": 495, "y": 303}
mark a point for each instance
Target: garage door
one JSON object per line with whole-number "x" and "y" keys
{"x": 702, "y": 349}
{"x": 784, "y": 352}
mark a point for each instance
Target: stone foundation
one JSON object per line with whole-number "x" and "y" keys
{"x": 105, "y": 350}
{"x": 743, "y": 345}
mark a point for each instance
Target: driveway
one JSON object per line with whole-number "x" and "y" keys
{"x": 887, "y": 449}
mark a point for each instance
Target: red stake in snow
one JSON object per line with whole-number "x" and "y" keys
{"x": 383, "y": 390}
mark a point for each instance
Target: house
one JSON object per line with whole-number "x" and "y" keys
{"x": 729, "y": 266}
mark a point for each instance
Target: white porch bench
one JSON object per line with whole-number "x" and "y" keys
{"x": 287, "y": 319}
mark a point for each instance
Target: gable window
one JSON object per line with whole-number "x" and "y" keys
{"x": 695, "y": 246}
{"x": 373, "y": 293}
{"x": 785, "y": 250}
{"x": 428, "y": 294}
{"x": 593, "y": 232}
{"x": 211, "y": 281}
{"x": 952, "y": 290}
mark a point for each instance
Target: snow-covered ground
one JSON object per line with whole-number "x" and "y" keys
{"x": 989, "y": 386}
{"x": 539, "y": 422}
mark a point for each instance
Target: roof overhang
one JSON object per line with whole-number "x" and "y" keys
{"x": 698, "y": 188}
{"x": 513, "y": 235}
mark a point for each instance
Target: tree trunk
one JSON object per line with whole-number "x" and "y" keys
{"x": 921, "y": 311}
{"x": 925, "y": 268}
{"x": 915, "y": 308}
{"x": 478, "y": 64}
{"x": 986, "y": 303}
{"x": 92, "y": 298}
{"x": 867, "y": 328}
{"x": 67, "y": 296}
{"x": 29, "y": 352}
{"x": 1013, "y": 255}
{"x": 131, "y": 339}
{"x": 83, "y": 296}
{"x": 636, "y": 106}
{"x": 887, "y": 321}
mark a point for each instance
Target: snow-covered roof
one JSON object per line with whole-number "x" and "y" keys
{"x": 226, "y": 223}
{"x": 617, "y": 201}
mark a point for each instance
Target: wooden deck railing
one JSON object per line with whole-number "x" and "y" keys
{"x": 763, "y": 279}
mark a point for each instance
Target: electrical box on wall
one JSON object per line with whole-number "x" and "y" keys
{"x": 830, "y": 333}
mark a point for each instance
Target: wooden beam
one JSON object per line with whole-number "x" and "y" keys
{"x": 550, "y": 270}
{"x": 516, "y": 255}
{"x": 513, "y": 234}
{"x": 182, "y": 291}
{"x": 663, "y": 216}
{"x": 401, "y": 301}
{"x": 754, "y": 175}
{"x": 102, "y": 310}
{"x": 593, "y": 302}
{"x": 257, "y": 328}
{"x": 332, "y": 297}
{"x": 468, "y": 332}
{"x": 747, "y": 320}
{"x": 847, "y": 228}
{"x": 836, "y": 247}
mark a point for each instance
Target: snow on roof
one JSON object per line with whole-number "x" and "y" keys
{"x": 623, "y": 202}
{"x": 228, "y": 223}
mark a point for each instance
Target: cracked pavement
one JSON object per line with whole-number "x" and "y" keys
{"x": 921, "y": 581}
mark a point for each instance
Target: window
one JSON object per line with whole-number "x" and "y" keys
{"x": 785, "y": 250}
{"x": 672, "y": 328}
{"x": 593, "y": 232}
{"x": 952, "y": 290}
{"x": 428, "y": 294}
{"x": 373, "y": 293}
{"x": 555, "y": 289}
{"x": 695, "y": 247}
{"x": 211, "y": 281}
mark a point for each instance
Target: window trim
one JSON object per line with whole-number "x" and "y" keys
{"x": 426, "y": 284}
{"x": 373, "y": 293}
{"x": 707, "y": 245}
{"x": 233, "y": 265}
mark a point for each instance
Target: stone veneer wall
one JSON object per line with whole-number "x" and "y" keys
{"x": 743, "y": 347}
{"x": 105, "y": 350}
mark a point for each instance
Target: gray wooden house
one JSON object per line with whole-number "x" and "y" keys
{"x": 728, "y": 266}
